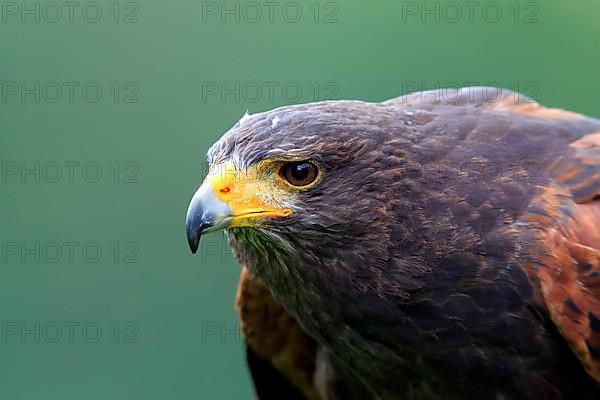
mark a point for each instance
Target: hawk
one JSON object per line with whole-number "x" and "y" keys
{"x": 433, "y": 246}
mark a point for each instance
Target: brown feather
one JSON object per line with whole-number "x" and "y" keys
{"x": 569, "y": 272}
{"x": 275, "y": 336}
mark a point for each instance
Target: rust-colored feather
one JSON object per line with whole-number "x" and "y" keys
{"x": 569, "y": 267}
{"x": 275, "y": 336}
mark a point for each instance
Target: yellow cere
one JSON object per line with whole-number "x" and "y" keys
{"x": 246, "y": 193}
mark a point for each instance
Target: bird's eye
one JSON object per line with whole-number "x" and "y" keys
{"x": 299, "y": 173}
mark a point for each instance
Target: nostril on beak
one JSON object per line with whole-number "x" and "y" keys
{"x": 226, "y": 189}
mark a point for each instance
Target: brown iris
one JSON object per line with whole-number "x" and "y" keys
{"x": 299, "y": 173}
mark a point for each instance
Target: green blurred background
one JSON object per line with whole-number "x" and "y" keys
{"x": 137, "y": 94}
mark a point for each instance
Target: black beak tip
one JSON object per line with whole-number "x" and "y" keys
{"x": 193, "y": 237}
{"x": 194, "y": 246}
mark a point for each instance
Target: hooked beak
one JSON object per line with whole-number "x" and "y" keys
{"x": 227, "y": 199}
{"x": 206, "y": 213}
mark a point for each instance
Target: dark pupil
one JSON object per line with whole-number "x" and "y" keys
{"x": 300, "y": 171}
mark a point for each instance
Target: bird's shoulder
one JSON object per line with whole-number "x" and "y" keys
{"x": 546, "y": 211}
{"x": 565, "y": 220}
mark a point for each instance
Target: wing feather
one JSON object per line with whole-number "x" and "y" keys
{"x": 569, "y": 268}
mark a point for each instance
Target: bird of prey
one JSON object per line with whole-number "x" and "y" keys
{"x": 434, "y": 246}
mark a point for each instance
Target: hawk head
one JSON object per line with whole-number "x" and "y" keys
{"x": 301, "y": 185}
